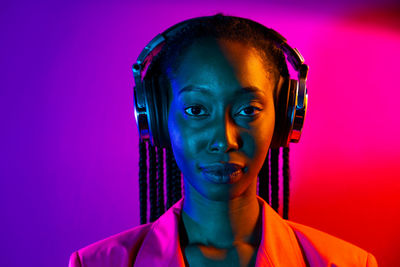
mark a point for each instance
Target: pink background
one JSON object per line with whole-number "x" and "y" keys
{"x": 69, "y": 148}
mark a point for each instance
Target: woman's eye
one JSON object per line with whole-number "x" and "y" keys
{"x": 195, "y": 111}
{"x": 249, "y": 111}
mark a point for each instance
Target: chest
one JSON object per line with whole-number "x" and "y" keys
{"x": 240, "y": 255}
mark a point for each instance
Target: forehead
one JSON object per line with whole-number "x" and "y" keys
{"x": 221, "y": 66}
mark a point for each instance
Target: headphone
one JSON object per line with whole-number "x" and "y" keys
{"x": 151, "y": 109}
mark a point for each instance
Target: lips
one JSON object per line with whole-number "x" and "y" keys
{"x": 222, "y": 172}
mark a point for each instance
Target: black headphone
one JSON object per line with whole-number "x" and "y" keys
{"x": 151, "y": 107}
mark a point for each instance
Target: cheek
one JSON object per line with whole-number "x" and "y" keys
{"x": 265, "y": 133}
{"x": 186, "y": 142}
{"x": 260, "y": 135}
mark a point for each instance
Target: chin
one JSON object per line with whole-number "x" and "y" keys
{"x": 221, "y": 191}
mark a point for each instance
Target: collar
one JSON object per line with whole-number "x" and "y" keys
{"x": 278, "y": 247}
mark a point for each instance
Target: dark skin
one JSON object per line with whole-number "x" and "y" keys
{"x": 221, "y": 120}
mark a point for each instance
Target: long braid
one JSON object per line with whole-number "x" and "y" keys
{"x": 286, "y": 180}
{"x": 176, "y": 182}
{"x": 160, "y": 182}
{"x": 152, "y": 182}
{"x": 275, "y": 179}
{"x": 169, "y": 158}
{"x": 143, "y": 181}
{"x": 263, "y": 180}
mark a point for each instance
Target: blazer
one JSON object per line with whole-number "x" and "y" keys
{"x": 283, "y": 243}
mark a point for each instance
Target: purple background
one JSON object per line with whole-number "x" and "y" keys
{"x": 69, "y": 141}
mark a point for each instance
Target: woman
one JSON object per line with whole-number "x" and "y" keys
{"x": 215, "y": 91}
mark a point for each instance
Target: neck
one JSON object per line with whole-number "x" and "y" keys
{"x": 222, "y": 223}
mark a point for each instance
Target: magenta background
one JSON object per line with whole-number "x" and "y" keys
{"x": 69, "y": 154}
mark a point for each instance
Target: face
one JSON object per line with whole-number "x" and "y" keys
{"x": 221, "y": 117}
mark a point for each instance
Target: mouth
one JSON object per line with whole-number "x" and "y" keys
{"x": 222, "y": 173}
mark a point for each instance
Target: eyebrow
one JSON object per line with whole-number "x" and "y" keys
{"x": 240, "y": 91}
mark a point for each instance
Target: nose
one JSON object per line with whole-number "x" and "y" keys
{"x": 225, "y": 136}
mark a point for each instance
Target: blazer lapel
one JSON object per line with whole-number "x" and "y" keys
{"x": 161, "y": 245}
{"x": 279, "y": 246}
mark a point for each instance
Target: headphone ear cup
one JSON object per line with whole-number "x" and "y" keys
{"x": 150, "y": 109}
{"x": 284, "y": 113}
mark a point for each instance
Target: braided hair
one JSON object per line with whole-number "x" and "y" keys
{"x": 164, "y": 65}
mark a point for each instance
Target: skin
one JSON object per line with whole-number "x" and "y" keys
{"x": 221, "y": 222}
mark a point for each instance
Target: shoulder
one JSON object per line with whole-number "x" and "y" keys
{"x": 149, "y": 243}
{"x": 118, "y": 250}
{"x": 322, "y": 249}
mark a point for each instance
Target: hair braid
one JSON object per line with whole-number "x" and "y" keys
{"x": 263, "y": 179}
{"x": 152, "y": 183}
{"x": 275, "y": 179}
{"x": 143, "y": 181}
{"x": 160, "y": 182}
{"x": 286, "y": 180}
{"x": 176, "y": 182}
{"x": 169, "y": 158}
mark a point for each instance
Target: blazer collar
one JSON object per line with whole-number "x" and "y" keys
{"x": 278, "y": 247}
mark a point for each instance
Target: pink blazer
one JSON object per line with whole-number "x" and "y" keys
{"x": 284, "y": 243}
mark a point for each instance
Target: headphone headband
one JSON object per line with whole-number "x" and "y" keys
{"x": 297, "y": 105}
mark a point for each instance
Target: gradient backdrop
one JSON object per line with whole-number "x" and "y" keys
{"x": 68, "y": 139}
